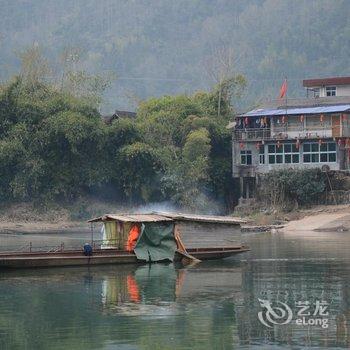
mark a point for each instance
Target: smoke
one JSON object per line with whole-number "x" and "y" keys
{"x": 204, "y": 205}
{"x": 157, "y": 207}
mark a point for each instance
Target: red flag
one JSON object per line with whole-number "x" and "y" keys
{"x": 283, "y": 89}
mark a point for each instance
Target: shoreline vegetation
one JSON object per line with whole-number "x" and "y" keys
{"x": 59, "y": 161}
{"x": 26, "y": 219}
{"x": 56, "y": 148}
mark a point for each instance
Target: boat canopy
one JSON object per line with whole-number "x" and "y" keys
{"x": 204, "y": 218}
{"x": 164, "y": 216}
{"x": 156, "y": 236}
{"x": 131, "y": 218}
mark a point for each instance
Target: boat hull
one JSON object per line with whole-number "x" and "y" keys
{"x": 102, "y": 257}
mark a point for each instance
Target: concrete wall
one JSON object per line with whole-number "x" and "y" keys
{"x": 342, "y": 90}
{"x": 239, "y": 170}
{"x": 268, "y": 167}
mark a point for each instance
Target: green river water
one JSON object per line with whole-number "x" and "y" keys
{"x": 212, "y": 305}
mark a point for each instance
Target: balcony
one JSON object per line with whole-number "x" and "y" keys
{"x": 309, "y": 131}
{"x": 291, "y": 132}
{"x": 252, "y": 134}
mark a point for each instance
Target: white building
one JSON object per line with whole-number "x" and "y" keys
{"x": 327, "y": 87}
{"x": 295, "y": 133}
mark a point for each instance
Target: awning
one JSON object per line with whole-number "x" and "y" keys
{"x": 131, "y": 218}
{"x": 164, "y": 216}
{"x": 204, "y": 218}
{"x": 297, "y": 111}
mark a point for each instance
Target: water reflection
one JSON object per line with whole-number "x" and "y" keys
{"x": 293, "y": 282}
{"x": 212, "y": 305}
{"x": 122, "y": 305}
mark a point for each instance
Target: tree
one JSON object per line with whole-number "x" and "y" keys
{"x": 191, "y": 175}
{"x": 84, "y": 85}
{"x": 197, "y": 145}
{"x": 35, "y": 68}
{"x": 193, "y": 144}
{"x": 137, "y": 170}
{"x": 58, "y": 148}
{"x": 50, "y": 141}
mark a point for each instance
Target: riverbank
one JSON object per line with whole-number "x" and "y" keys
{"x": 26, "y": 219}
{"x": 323, "y": 218}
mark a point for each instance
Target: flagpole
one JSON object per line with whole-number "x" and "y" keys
{"x": 286, "y": 102}
{"x": 283, "y": 94}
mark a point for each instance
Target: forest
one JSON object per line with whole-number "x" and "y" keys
{"x": 55, "y": 147}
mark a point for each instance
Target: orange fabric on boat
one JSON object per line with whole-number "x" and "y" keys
{"x": 133, "y": 237}
{"x": 133, "y": 289}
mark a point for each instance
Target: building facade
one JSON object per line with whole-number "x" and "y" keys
{"x": 298, "y": 133}
{"x": 327, "y": 87}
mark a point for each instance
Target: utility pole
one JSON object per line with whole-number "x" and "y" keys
{"x": 219, "y": 101}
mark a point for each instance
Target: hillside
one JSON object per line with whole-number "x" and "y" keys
{"x": 170, "y": 47}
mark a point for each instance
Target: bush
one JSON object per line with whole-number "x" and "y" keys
{"x": 290, "y": 187}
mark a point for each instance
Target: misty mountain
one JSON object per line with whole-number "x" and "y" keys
{"x": 158, "y": 47}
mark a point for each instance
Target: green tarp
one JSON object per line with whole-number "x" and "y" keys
{"x": 158, "y": 281}
{"x": 156, "y": 242}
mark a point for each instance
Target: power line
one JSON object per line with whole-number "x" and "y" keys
{"x": 155, "y": 79}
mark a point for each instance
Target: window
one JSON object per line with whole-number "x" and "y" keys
{"x": 246, "y": 157}
{"x": 316, "y": 92}
{"x": 313, "y": 152}
{"x": 331, "y": 90}
{"x": 291, "y": 153}
{"x": 285, "y": 153}
{"x": 262, "y": 154}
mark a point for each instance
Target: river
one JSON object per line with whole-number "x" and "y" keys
{"x": 211, "y": 305}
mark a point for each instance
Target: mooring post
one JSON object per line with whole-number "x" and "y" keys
{"x": 92, "y": 233}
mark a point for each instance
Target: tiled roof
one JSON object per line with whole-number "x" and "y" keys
{"x": 297, "y": 111}
{"x": 326, "y": 81}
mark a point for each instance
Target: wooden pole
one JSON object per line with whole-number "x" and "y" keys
{"x": 181, "y": 248}
{"x": 92, "y": 233}
{"x": 219, "y": 101}
{"x": 330, "y": 186}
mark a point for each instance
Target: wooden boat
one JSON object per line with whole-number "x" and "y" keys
{"x": 179, "y": 237}
{"x": 101, "y": 257}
